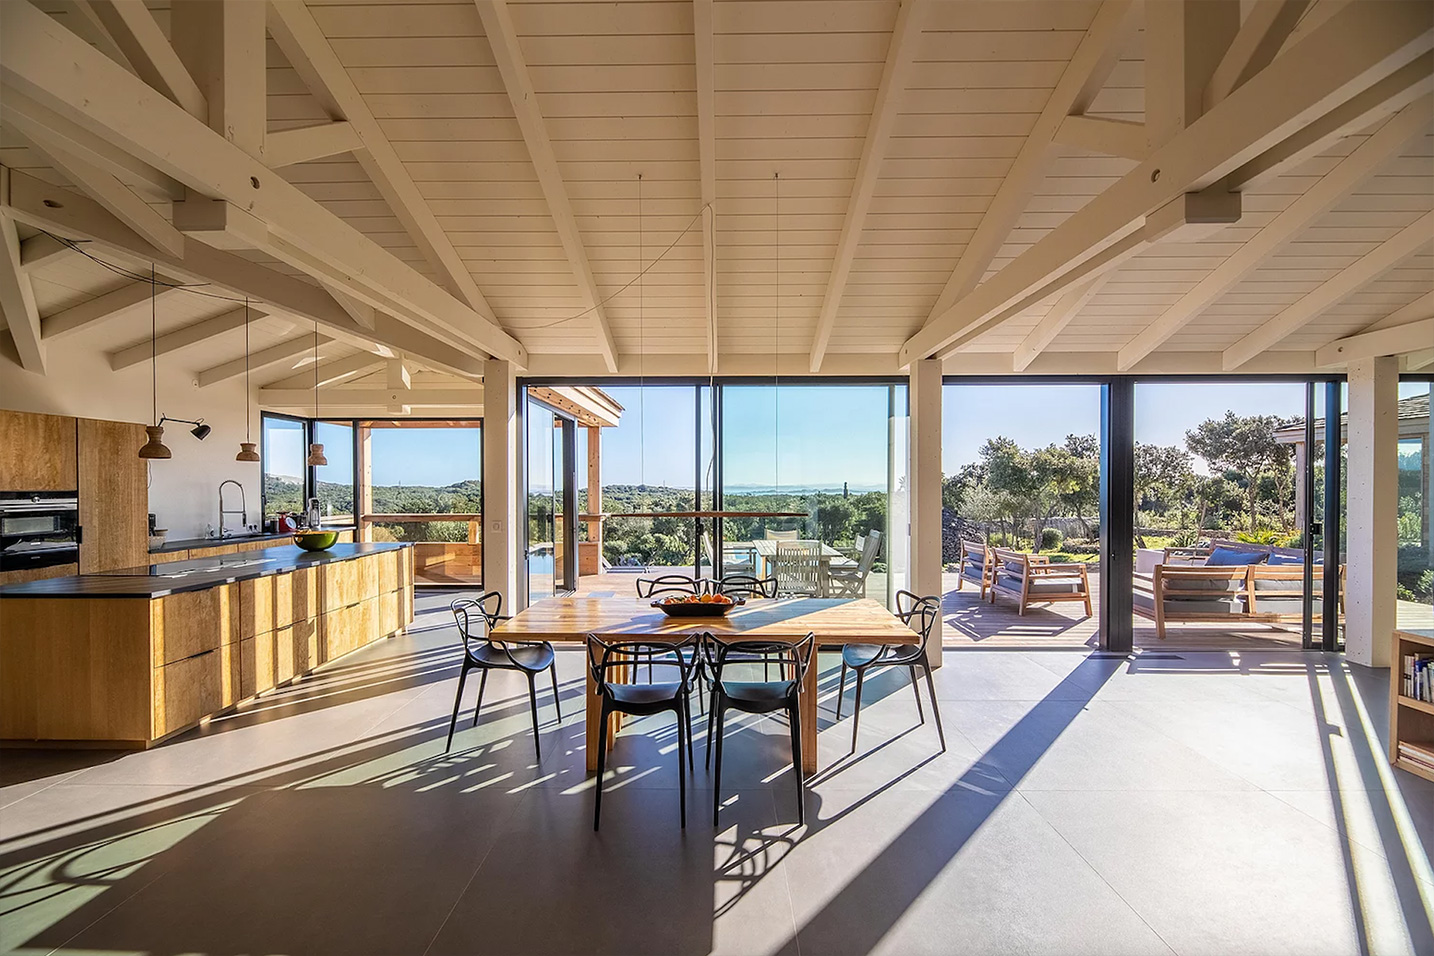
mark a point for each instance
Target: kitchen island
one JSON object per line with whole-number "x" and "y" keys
{"x": 128, "y": 658}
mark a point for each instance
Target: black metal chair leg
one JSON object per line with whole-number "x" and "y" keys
{"x": 796, "y": 723}
{"x": 721, "y": 710}
{"x": 682, "y": 745}
{"x": 711, "y": 719}
{"x": 841, "y": 688}
{"x": 686, "y": 720}
{"x": 856, "y": 706}
{"x": 557, "y": 704}
{"x": 917, "y": 691}
{"x": 935, "y": 708}
{"x": 457, "y": 701}
{"x": 533, "y": 703}
{"x": 602, "y": 763}
{"x": 482, "y": 686}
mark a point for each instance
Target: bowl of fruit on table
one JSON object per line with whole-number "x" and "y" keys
{"x": 696, "y": 605}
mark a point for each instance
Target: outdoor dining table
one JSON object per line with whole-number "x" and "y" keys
{"x": 766, "y": 551}
{"x": 569, "y": 620}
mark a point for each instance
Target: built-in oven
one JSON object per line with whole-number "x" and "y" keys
{"x": 38, "y": 529}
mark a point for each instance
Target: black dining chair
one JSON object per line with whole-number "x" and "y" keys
{"x": 746, "y": 585}
{"x": 924, "y": 615}
{"x": 642, "y": 700}
{"x": 668, "y": 584}
{"x": 475, "y": 620}
{"x": 758, "y": 697}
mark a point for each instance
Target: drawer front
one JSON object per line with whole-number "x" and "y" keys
{"x": 390, "y": 613}
{"x": 388, "y": 563}
{"x": 347, "y": 582}
{"x": 185, "y": 691}
{"x": 257, "y": 606}
{"x": 349, "y": 628}
{"x": 182, "y": 625}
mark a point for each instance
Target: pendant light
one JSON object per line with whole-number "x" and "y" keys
{"x": 316, "y": 450}
{"x": 247, "y": 451}
{"x": 154, "y": 448}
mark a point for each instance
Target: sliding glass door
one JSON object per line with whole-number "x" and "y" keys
{"x": 551, "y": 546}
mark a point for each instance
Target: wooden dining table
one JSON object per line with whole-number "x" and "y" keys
{"x": 569, "y": 620}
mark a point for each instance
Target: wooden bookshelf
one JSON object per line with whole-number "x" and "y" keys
{"x": 1410, "y": 721}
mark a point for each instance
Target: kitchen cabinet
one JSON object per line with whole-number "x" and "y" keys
{"x": 37, "y": 452}
{"x": 114, "y": 496}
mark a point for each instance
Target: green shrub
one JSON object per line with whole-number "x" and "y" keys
{"x": 1051, "y": 539}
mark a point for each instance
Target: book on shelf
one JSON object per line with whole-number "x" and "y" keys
{"x": 1417, "y": 754}
{"x": 1417, "y": 677}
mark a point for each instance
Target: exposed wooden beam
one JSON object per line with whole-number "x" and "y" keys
{"x": 362, "y": 312}
{"x": 308, "y": 50}
{"x": 17, "y": 301}
{"x": 399, "y": 378}
{"x": 1067, "y": 307}
{"x": 1420, "y": 308}
{"x": 331, "y": 372}
{"x": 503, "y": 39}
{"x": 1111, "y": 137}
{"x": 182, "y": 338}
{"x": 349, "y": 397}
{"x": 900, "y": 54}
{"x": 1107, "y": 260}
{"x": 1422, "y": 359}
{"x": 1262, "y": 33}
{"x": 1365, "y": 270}
{"x": 1384, "y": 98}
{"x": 1298, "y": 215}
{"x": 139, "y": 37}
{"x": 80, "y": 16}
{"x": 290, "y": 146}
{"x": 66, "y": 213}
{"x": 707, "y": 163}
{"x": 221, "y": 44}
{"x": 1350, "y": 52}
{"x": 1396, "y": 340}
{"x": 1083, "y": 77}
{"x": 45, "y": 61}
{"x": 105, "y": 189}
{"x": 94, "y": 149}
{"x": 263, "y": 358}
{"x": 1184, "y": 40}
{"x": 102, "y": 308}
{"x": 42, "y": 250}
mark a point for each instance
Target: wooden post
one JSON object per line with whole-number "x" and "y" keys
{"x": 502, "y": 487}
{"x": 595, "y": 488}
{"x": 363, "y": 503}
{"x": 925, "y": 484}
{"x": 1372, "y": 509}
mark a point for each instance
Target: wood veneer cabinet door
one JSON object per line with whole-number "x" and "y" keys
{"x": 37, "y": 452}
{"x": 114, "y": 496}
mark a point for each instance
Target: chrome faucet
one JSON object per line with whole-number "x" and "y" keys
{"x": 243, "y": 511}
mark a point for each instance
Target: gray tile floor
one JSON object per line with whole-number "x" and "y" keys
{"x": 1188, "y": 803}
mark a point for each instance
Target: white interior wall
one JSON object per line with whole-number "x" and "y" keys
{"x": 183, "y": 490}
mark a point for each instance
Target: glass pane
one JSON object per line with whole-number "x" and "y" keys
{"x": 540, "y": 502}
{"x": 560, "y": 517}
{"x": 1415, "y": 587}
{"x": 649, "y": 465}
{"x": 284, "y": 455}
{"x": 426, "y": 488}
{"x": 334, "y": 482}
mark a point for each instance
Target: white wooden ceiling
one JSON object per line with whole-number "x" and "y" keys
{"x": 794, "y": 84}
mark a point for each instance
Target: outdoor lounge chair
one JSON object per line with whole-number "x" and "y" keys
{"x": 1033, "y": 579}
{"x": 851, "y": 581}
{"x": 976, "y": 566}
{"x": 1257, "y": 593}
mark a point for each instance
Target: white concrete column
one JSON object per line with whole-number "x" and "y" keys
{"x": 1372, "y": 520}
{"x": 502, "y": 491}
{"x": 924, "y": 475}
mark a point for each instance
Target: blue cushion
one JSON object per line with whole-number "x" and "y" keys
{"x": 1225, "y": 558}
{"x": 1286, "y": 559}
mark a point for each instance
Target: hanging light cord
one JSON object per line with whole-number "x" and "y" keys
{"x": 777, "y": 332}
{"x": 316, "y": 371}
{"x": 153, "y": 351}
{"x": 641, "y": 391}
{"x": 247, "y": 435}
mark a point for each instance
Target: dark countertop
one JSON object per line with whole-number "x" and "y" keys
{"x": 185, "y": 544}
{"x": 159, "y": 580}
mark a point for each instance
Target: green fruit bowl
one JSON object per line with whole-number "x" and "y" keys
{"x": 316, "y": 540}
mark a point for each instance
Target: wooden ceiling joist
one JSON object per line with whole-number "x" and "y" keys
{"x": 17, "y": 301}
{"x": 1082, "y": 78}
{"x": 44, "y": 206}
{"x": 353, "y": 397}
{"x": 261, "y": 359}
{"x": 308, "y": 50}
{"x": 900, "y": 54}
{"x": 1296, "y": 217}
{"x": 1066, "y": 308}
{"x": 142, "y": 41}
{"x": 706, "y": 70}
{"x": 1395, "y": 340}
{"x": 43, "y": 60}
{"x": 290, "y": 146}
{"x": 1365, "y": 270}
{"x": 41, "y": 250}
{"x": 1096, "y": 134}
{"x": 103, "y": 308}
{"x": 182, "y": 338}
{"x": 1420, "y": 308}
{"x": 508, "y": 54}
{"x": 1263, "y": 31}
{"x": 330, "y": 372}
{"x": 1350, "y": 52}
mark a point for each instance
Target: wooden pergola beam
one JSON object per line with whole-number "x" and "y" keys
{"x": 1296, "y": 217}
{"x": 43, "y": 60}
{"x": 503, "y": 39}
{"x": 1353, "y": 50}
{"x": 17, "y": 301}
{"x": 900, "y": 54}
{"x": 1363, "y": 271}
{"x": 1089, "y": 68}
{"x": 263, "y": 358}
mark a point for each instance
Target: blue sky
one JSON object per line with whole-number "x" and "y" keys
{"x": 407, "y": 456}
